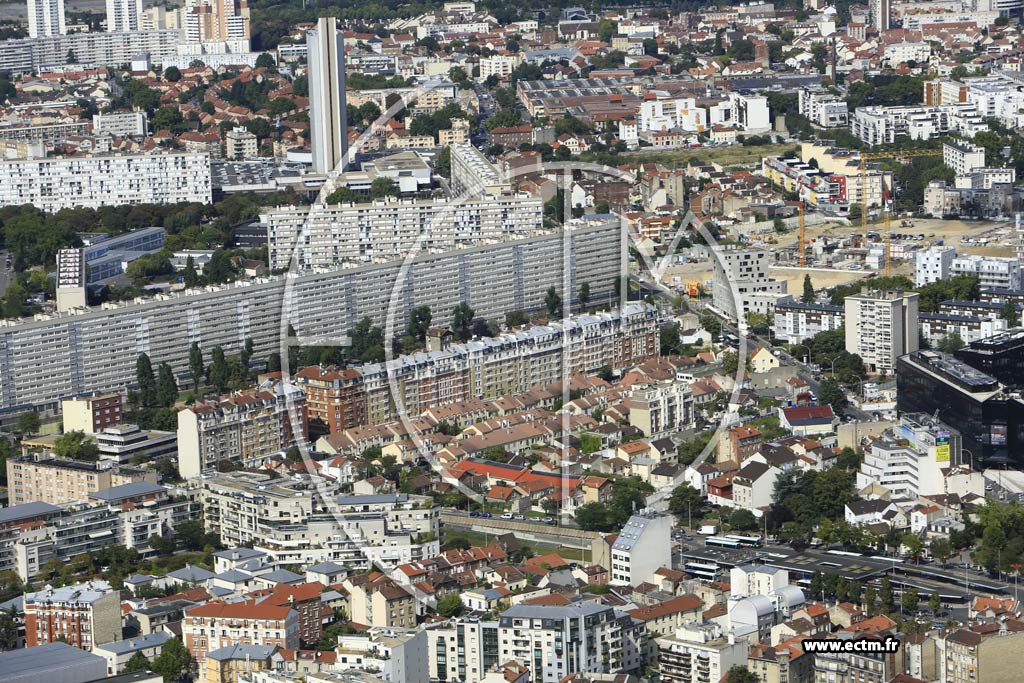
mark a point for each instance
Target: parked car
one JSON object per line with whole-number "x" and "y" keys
{"x": 507, "y": 515}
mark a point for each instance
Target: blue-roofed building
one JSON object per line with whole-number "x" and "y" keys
{"x": 232, "y": 558}
{"x": 327, "y": 573}
{"x": 272, "y": 578}
{"x": 52, "y": 663}
{"x": 226, "y": 663}
{"x": 140, "y": 491}
{"x": 191, "y": 575}
{"x": 119, "y": 652}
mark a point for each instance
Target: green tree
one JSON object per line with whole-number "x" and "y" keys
{"x": 462, "y": 321}
{"x": 191, "y": 277}
{"x": 173, "y": 660}
{"x": 1010, "y": 314}
{"x": 743, "y": 520}
{"x": 740, "y": 674}
{"x": 168, "y": 118}
{"x": 245, "y": 355}
{"x": 730, "y": 362}
{"x": 219, "y": 269}
{"x": 831, "y": 393}
{"x": 384, "y": 187}
{"x": 951, "y": 342}
{"x": 172, "y": 74}
{"x": 162, "y": 545}
{"x": 869, "y": 602}
{"x": 419, "y": 323}
{"x": 166, "y": 387}
{"x": 218, "y": 370}
{"x": 195, "y": 363}
{"x": 76, "y": 446}
{"x": 685, "y": 500}
{"x": 515, "y": 319}
{"x": 935, "y": 602}
{"x": 584, "y": 294}
{"x": 885, "y": 596}
{"x": 8, "y": 631}
{"x": 145, "y": 380}
{"x": 265, "y": 61}
{"x": 552, "y": 301}
{"x": 450, "y": 606}
{"x": 910, "y": 599}
{"x": 15, "y": 298}
{"x": 28, "y": 423}
{"x": 138, "y": 662}
{"x": 808, "y": 296}
{"x": 593, "y": 517}
{"x": 274, "y": 362}
{"x": 940, "y": 549}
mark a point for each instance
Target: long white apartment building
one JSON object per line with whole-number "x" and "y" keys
{"x": 795, "y": 321}
{"x": 993, "y": 272}
{"x": 741, "y": 283}
{"x": 299, "y": 521}
{"x": 51, "y": 357}
{"x": 473, "y": 174}
{"x": 57, "y": 183}
{"x": 963, "y": 157}
{"x": 823, "y": 108}
{"x": 660, "y": 112}
{"x": 510, "y": 363}
{"x": 582, "y": 637}
{"x": 881, "y": 327}
{"x": 391, "y": 228}
{"x": 882, "y": 125}
{"x": 747, "y": 112}
{"x": 25, "y": 55}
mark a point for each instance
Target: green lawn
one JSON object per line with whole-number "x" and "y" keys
{"x": 728, "y": 156}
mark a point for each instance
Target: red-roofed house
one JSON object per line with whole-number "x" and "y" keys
{"x": 808, "y": 420}
{"x": 222, "y": 624}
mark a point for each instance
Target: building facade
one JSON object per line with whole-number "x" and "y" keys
{"x": 881, "y": 327}
{"x": 328, "y": 122}
{"x": 57, "y": 183}
{"x": 83, "y": 615}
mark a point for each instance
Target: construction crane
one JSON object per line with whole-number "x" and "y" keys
{"x": 803, "y": 245}
{"x": 864, "y": 158}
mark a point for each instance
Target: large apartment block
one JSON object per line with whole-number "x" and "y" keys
{"x": 387, "y": 229}
{"x": 104, "y": 48}
{"x": 741, "y": 283}
{"x": 215, "y": 625}
{"x": 796, "y": 321}
{"x": 335, "y": 398}
{"x": 59, "y": 480}
{"x": 288, "y": 520}
{"x": 72, "y": 354}
{"x": 83, "y": 615}
{"x": 882, "y": 125}
{"x": 881, "y": 327}
{"x": 127, "y": 515}
{"x": 823, "y": 108}
{"x": 244, "y": 427}
{"x": 510, "y": 363}
{"x": 582, "y": 637}
{"x": 57, "y": 183}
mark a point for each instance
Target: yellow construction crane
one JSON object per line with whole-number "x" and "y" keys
{"x": 864, "y": 158}
{"x": 803, "y": 248}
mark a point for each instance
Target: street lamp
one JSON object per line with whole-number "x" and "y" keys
{"x": 968, "y": 451}
{"x": 1016, "y": 567}
{"x": 805, "y": 347}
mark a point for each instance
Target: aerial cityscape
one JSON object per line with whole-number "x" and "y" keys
{"x": 481, "y": 342}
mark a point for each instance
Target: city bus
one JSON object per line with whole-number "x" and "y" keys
{"x": 723, "y": 542}
{"x": 746, "y": 541}
{"x": 701, "y": 570}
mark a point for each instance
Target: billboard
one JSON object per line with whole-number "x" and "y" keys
{"x": 942, "y": 447}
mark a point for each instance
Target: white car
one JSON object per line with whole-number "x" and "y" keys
{"x": 507, "y": 515}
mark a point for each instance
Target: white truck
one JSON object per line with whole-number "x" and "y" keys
{"x": 708, "y": 530}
